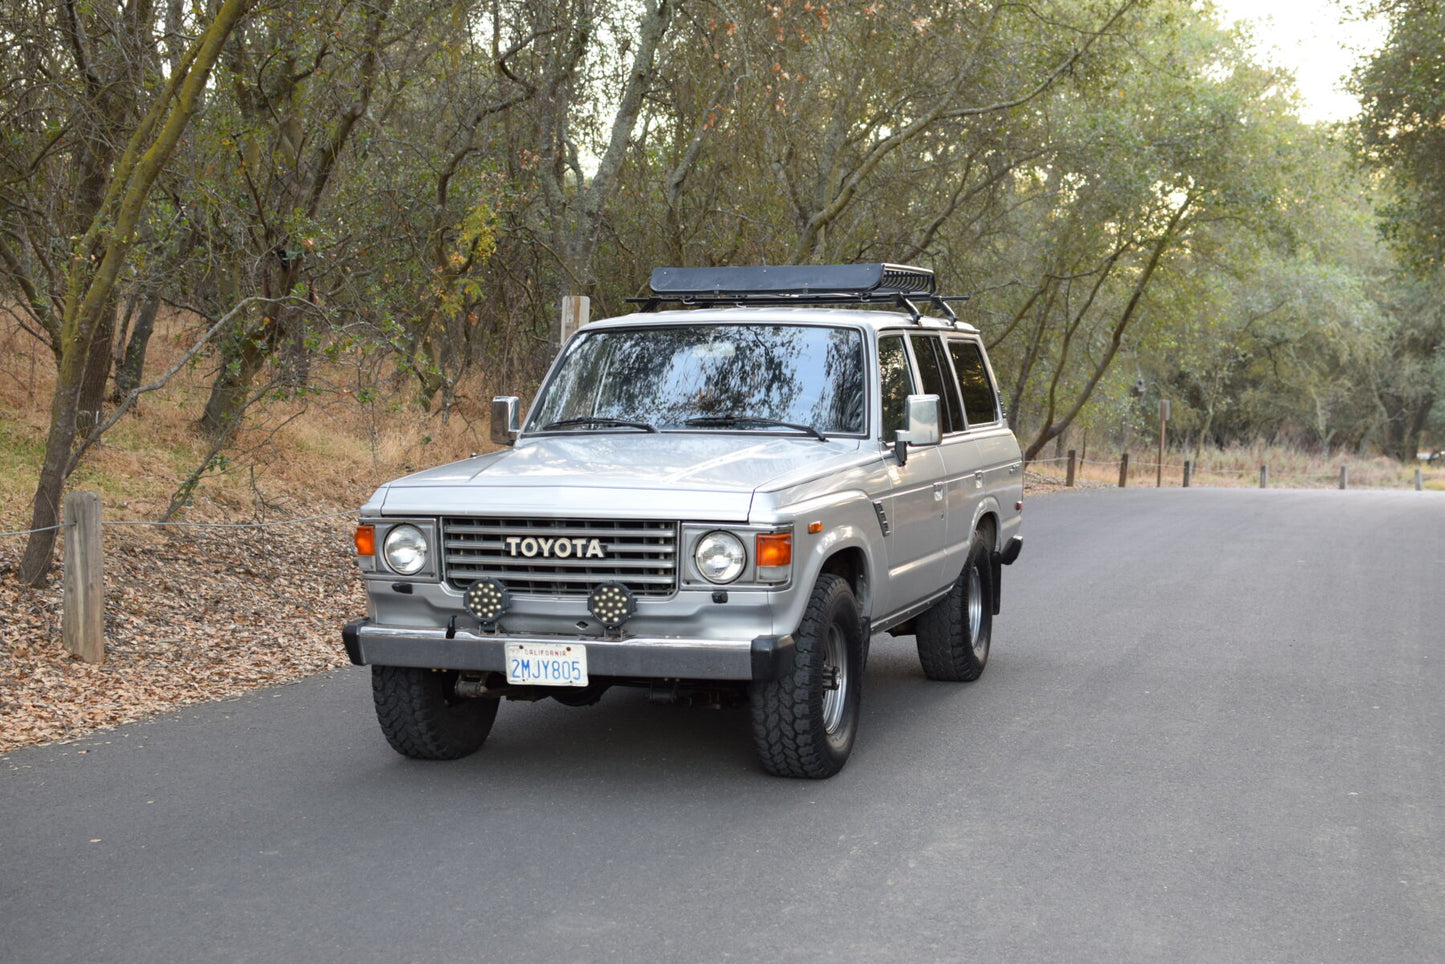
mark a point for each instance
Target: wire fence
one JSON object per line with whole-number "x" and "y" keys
{"x": 1190, "y": 472}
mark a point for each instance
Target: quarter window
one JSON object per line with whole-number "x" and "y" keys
{"x": 980, "y": 402}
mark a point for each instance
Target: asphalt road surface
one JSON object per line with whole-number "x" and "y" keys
{"x": 1210, "y": 730}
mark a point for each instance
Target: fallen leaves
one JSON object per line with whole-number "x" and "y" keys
{"x": 192, "y": 615}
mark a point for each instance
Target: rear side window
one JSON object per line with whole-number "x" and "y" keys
{"x": 897, "y": 384}
{"x": 980, "y": 402}
{"x": 934, "y": 371}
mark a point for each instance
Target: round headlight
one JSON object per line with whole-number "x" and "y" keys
{"x": 720, "y": 557}
{"x": 405, "y": 550}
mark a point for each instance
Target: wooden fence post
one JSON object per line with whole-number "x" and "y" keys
{"x": 1344, "y": 477}
{"x": 576, "y": 309}
{"x": 1163, "y": 421}
{"x": 1188, "y": 467}
{"x": 1419, "y": 482}
{"x": 82, "y": 620}
{"x": 1264, "y": 476}
{"x": 1072, "y": 462}
{"x": 1123, "y": 470}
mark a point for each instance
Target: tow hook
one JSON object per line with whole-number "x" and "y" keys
{"x": 471, "y": 685}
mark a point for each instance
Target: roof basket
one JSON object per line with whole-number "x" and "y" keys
{"x": 824, "y": 284}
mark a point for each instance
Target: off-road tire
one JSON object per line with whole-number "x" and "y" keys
{"x": 423, "y": 718}
{"x": 954, "y": 634}
{"x": 801, "y": 727}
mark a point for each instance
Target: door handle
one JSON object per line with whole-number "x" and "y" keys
{"x": 938, "y": 492}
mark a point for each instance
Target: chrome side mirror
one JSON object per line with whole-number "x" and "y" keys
{"x": 920, "y": 414}
{"x": 506, "y": 419}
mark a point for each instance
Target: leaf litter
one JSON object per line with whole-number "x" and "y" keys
{"x": 191, "y": 615}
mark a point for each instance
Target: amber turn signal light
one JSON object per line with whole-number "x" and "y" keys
{"x": 775, "y": 549}
{"x": 366, "y": 540}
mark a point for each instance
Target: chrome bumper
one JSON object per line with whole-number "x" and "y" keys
{"x": 763, "y": 658}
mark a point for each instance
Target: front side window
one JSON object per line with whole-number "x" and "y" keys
{"x": 709, "y": 376}
{"x": 897, "y": 384}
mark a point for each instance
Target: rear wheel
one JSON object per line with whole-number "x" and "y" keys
{"x": 804, "y": 722}
{"x": 424, "y": 718}
{"x": 953, "y": 635}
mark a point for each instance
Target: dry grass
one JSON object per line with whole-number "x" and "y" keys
{"x": 328, "y": 449}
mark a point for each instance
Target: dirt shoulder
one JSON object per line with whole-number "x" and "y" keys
{"x": 192, "y": 615}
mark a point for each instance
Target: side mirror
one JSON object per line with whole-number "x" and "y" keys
{"x": 920, "y": 415}
{"x": 506, "y": 419}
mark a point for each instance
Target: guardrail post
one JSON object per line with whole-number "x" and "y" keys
{"x": 1069, "y": 481}
{"x": 1123, "y": 470}
{"x": 1188, "y": 468}
{"x": 82, "y": 621}
{"x": 1264, "y": 476}
{"x": 1344, "y": 477}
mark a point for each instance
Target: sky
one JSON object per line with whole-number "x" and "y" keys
{"x": 1319, "y": 40}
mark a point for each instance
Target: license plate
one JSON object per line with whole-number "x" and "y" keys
{"x": 546, "y": 664}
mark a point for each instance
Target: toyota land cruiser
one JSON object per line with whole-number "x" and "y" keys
{"x": 724, "y": 500}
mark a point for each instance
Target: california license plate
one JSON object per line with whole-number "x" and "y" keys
{"x": 546, "y": 664}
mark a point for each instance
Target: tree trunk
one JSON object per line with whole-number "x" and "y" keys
{"x": 91, "y": 397}
{"x": 241, "y": 360}
{"x": 60, "y": 441}
{"x": 97, "y": 259}
{"x": 132, "y": 365}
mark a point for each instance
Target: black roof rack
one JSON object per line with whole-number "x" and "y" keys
{"x": 797, "y": 284}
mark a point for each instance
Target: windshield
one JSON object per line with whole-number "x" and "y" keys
{"x": 709, "y": 377}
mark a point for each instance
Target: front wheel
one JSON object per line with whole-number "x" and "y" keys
{"x": 804, "y": 722}
{"x": 424, "y": 718}
{"x": 954, "y": 634}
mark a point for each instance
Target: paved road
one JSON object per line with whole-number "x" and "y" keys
{"x": 1210, "y": 731}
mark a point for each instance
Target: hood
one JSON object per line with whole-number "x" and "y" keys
{"x": 667, "y": 475}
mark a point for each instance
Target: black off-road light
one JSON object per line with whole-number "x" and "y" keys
{"x": 611, "y": 603}
{"x": 487, "y": 599}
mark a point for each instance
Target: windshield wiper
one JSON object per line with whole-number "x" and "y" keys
{"x": 722, "y": 421}
{"x": 598, "y": 420}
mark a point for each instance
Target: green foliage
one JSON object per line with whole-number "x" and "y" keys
{"x": 414, "y": 185}
{"x": 1402, "y": 126}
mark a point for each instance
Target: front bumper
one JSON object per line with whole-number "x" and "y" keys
{"x": 762, "y": 658}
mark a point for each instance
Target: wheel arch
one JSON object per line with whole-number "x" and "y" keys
{"x": 989, "y": 527}
{"x": 851, "y": 564}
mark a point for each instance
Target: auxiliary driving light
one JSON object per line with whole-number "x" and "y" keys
{"x": 487, "y": 599}
{"x": 611, "y": 604}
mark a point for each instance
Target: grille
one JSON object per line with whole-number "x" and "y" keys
{"x": 642, "y": 555}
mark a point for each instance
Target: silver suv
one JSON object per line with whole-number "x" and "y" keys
{"x": 720, "y": 502}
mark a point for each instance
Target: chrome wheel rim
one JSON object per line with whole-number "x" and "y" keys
{"x": 835, "y": 678}
{"x": 975, "y": 613}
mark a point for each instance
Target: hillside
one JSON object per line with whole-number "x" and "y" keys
{"x": 194, "y": 611}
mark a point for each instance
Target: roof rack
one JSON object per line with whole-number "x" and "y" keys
{"x": 900, "y": 285}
